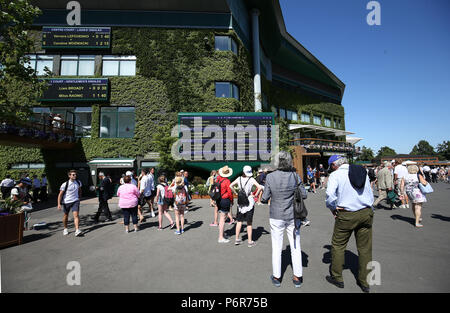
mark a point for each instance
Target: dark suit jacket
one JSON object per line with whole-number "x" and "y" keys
{"x": 105, "y": 192}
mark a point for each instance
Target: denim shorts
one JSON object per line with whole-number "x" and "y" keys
{"x": 74, "y": 206}
{"x": 224, "y": 205}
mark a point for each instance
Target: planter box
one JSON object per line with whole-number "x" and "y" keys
{"x": 11, "y": 229}
{"x": 200, "y": 197}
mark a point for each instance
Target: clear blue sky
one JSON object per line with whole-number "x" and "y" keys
{"x": 397, "y": 75}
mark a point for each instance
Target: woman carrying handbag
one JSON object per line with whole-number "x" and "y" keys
{"x": 411, "y": 185}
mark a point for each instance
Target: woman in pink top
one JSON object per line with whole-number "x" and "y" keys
{"x": 128, "y": 201}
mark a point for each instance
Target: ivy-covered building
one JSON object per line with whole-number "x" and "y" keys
{"x": 166, "y": 57}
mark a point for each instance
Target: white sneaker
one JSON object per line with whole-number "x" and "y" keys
{"x": 65, "y": 232}
{"x": 153, "y": 214}
{"x": 78, "y": 233}
{"x": 223, "y": 240}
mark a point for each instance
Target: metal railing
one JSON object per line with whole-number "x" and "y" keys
{"x": 315, "y": 144}
{"x": 48, "y": 129}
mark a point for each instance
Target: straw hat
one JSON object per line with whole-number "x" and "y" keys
{"x": 226, "y": 171}
{"x": 179, "y": 181}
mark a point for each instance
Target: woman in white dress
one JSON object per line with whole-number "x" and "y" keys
{"x": 410, "y": 185}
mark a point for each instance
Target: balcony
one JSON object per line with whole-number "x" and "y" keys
{"x": 46, "y": 134}
{"x": 321, "y": 145}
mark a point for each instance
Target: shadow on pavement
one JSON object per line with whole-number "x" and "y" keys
{"x": 148, "y": 225}
{"x": 409, "y": 220}
{"x": 192, "y": 209}
{"x": 351, "y": 261}
{"x": 440, "y": 217}
{"x": 257, "y": 232}
{"x": 286, "y": 259}
{"x": 193, "y": 225}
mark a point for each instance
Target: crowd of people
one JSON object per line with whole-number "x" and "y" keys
{"x": 349, "y": 196}
{"x": 37, "y": 186}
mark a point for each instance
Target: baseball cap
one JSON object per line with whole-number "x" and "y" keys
{"x": 128, "y": 173}
{"x": 260, "y": 170}
{"x": 26, "y": 181}
{"x": 334, "y": 158}
{"x": 248, "y": 171}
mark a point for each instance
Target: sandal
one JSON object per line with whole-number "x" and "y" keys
{"x": 419, "y": 225}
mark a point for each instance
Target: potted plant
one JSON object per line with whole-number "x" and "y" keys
{"x": 11, "y": 222}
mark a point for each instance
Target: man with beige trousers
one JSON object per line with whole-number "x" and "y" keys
{"x": 385, "y": 183}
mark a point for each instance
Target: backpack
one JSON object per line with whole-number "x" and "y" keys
{"x": 300, "y": 211}
{"x": 181, "y": 197}
{"x": 372, "y": 175}
{"x": 67, "y": 186}
{"x": 215, "y": 192}
{"x": 242, "y": 195}
{"x": 168, "y": 195}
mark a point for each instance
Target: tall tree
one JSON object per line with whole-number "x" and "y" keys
{"x": 385, "y": 151}
{"x": 366, "y": 154}
{"x": 443, "y": 150}
{"x": 19, "y": 86}
{"x": 423, "y": 148}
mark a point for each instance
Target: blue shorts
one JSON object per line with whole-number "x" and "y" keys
{"x": 74, "y": 206}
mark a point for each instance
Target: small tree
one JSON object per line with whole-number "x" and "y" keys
{"x": 366, "y": 154}
{"x": 443, "y": 150}
{"x": 385, "y": 151}
{"x": 163, "y": 142}
{"x": 19, "y": 86}
{"x": 423, "y": 148}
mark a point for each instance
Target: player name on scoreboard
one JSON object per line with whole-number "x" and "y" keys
{"x": 76, "y": 37}
{"x": 76, "y": 90}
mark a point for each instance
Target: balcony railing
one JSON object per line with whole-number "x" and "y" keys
{"x": 314, "y": 144}
{"x": 47, "y": 130}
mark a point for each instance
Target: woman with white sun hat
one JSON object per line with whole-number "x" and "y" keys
{"x": 245, "y": 211}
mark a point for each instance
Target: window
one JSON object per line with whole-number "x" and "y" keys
{"x": 337, "y": 123}
{"x": 282, "y": 113}
{"x": 83, "y": 121}
{"x": 225, "y": 43}
{"x": 317, "y": 120}
{"x": 117, "y": 122}
{"x": 227, "y": 90}
{"x": 21, "y": 166}
{"x": 289, "y": 115}
{"x": 38, "y": 62}
{"x": 306, "y": 118}
{"x": 80, "y": 116}
{"x": 40, "y": 115}
{"x": 327, "y": 121}
{"x": 294, "y": 116}
{"x": 114, "y": 65}
{"x": 73, "y": 65}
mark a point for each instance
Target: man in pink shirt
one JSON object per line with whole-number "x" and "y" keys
{"x": 128, "y": 201}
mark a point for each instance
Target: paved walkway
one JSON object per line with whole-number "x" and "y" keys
{"x": 412, "y": 260}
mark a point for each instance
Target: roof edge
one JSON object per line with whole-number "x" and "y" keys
{"x": 303, "y": 50}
